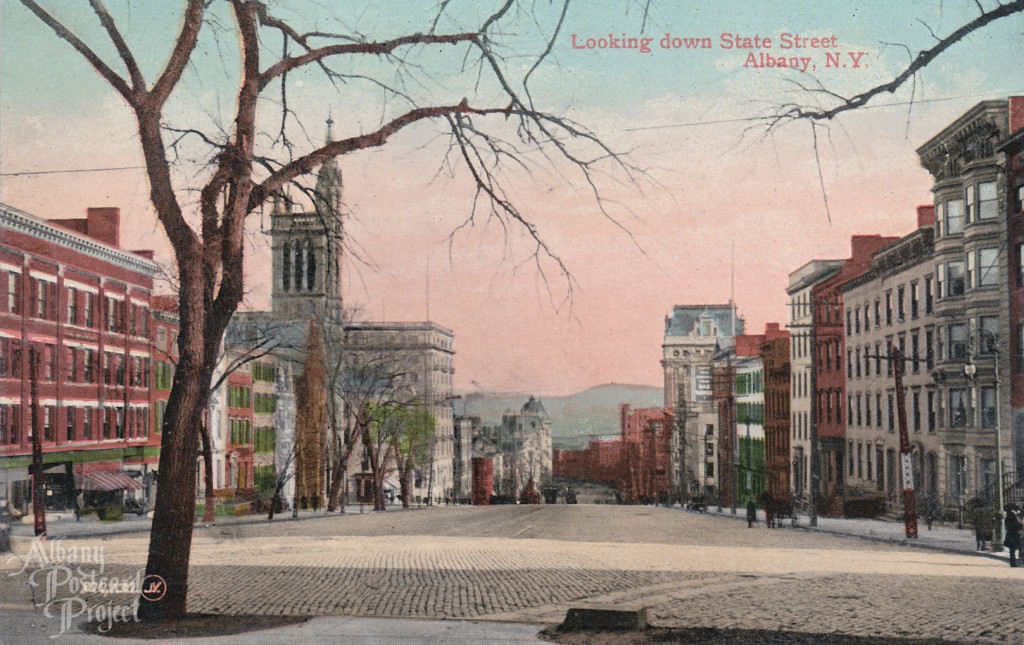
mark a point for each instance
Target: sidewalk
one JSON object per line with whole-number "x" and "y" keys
{"x": 943, "y": 536}
{"x": 64, "y": 525}
{"x": 34, "y": 628}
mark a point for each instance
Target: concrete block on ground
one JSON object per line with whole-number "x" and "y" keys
{"x": 604, "y": 618}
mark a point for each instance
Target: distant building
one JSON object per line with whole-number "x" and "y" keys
{"x": 801, "y": 326}
{"x": 644, "y": 454}
{"x": 419, "y": 356}
{"x": 693, "y": 334}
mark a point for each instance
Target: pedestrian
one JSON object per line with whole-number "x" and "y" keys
{"x": 932, "y": 512}
{"x": 751, "y": 513}
{"x": 1011, "y": 540}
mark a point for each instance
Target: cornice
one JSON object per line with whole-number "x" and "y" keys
{"x": 17, "y": 220}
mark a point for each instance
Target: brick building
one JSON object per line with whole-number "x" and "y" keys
{"x": 645, "y": 453}
{"x": 775, "y": 360}
{"x": 71, "y": 297}
{"x": 829, "y": 370}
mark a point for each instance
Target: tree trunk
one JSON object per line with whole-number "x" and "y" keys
{"x": 406, "y": 486}
{"x": 174, "y": 513}
{"x": 210, "y": 510}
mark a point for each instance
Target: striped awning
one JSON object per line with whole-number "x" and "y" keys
{"x": 107, "y": 482}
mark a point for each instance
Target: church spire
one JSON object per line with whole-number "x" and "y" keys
{"x": 328, "y": 180}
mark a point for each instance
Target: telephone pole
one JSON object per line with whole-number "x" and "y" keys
{"x": 907, "y": 460}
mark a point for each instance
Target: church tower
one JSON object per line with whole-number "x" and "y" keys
{"x": 306, "y": 249}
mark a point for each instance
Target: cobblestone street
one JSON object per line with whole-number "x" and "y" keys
{"x": 529, "y": 564}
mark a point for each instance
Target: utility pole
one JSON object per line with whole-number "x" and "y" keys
{"x": 815, "y": 461}
{"x": 909, "y": 504}
{"x": 38, "y": 485}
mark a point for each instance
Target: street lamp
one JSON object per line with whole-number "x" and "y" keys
{"x": 970, "y": 370}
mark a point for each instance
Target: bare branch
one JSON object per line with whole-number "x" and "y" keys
{"x": 793, "y": 112}
{"x": 97, "y": 63}
{"x": 138, "y": 83}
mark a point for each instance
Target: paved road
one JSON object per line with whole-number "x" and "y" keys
{"x": 520, "y": 564}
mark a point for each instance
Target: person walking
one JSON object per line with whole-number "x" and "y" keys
{"x": 1012, "y": 525}
{"x": 751, "y": 513}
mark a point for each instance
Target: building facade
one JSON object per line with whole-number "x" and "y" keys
{"x": 77, "y": 306}
{"x": 420, "y": 357}
{"x": 972, "y": 282}
{"x": 693, "y": 334}
{"x": 892, "y": 305}
{"x": 801, "y": 326}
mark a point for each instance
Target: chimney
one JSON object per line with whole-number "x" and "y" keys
{"x": 1016, "y": 114}
{"x": 104, "y": 224}
{"x": 925, "y": 216}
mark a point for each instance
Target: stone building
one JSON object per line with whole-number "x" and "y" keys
{"x": 972, "y": 316}
{"x": 693, "y": 334}
{"x": 417, "y": 356}
{"x": 892, "y": 304}
{"x": 801, "y": 325}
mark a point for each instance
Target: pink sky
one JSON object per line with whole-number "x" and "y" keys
{"x": 715, "y": 189}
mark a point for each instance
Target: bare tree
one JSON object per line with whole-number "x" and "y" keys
{"x": 817, "y": 105}
{"x": 209, "y": 248}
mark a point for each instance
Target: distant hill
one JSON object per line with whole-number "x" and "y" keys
{"x": 575, "y": 419}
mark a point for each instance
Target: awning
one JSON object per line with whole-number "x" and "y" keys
{"x": 107, "y": 482}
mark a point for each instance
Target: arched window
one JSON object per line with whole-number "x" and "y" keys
{"x": 310, "y": 268}
{"x": 286, "y": 267}
{"x": 298, "y": 267}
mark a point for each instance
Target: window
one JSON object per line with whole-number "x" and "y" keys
{"x": 914, "y": 300}
{"x": 87, "y": 423}
{"x": 928, "y": 294}
{"x": 114, "y": 312}
{"x": 878, "y": 359}
{"x": 931, "y": 410}
{"x": 957, "y": 341}
{"x": 857, "y": 361}
{"x": 892, "y": 413}
{"x": 867, "y": 410}
{"x": 971, "y": 275}
{"x": 940, "y": 277}
{"x": 286, "y": 267}
{"x": 88, "y": 365}
{"x": 856, "y": 319}
{"x": 988, "y": 407}
{"x": 849, "y": 365}
{"x": 48, "y": 414}
{"x": 158, "y": 415}
{"x": 162, "y": 376}
{"x": 915, "y": 365}
{"x": 888, "y": 307}
{"x": 72, "y": 306}
{"x": 49, "y": 362}
{"x": 90, "y": 306}
{"x": 955, "y": 279}
{"x": 958, "y": 407}
{"x": 900, "y": 312}
{"x": 878, "y": 314}
{"x": 849, "y": 323}
{"x": 988, "y": 270}
{"x": 988, "y": 335}
{"x": 987, "y": 201}
{"x": 867, "y": 360}
{"x": 860, "y": 418}
{"x": 71, "y": 424}
{"x": 878, "y": 409}
{"x": 14, "y": 293}
{"x": 888, "y": 355}
{"x": 916, "y": 410}
{"x": 929, "y": 354}
{"x": 44, "y": 293}
{"x": 953, "y": 212}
